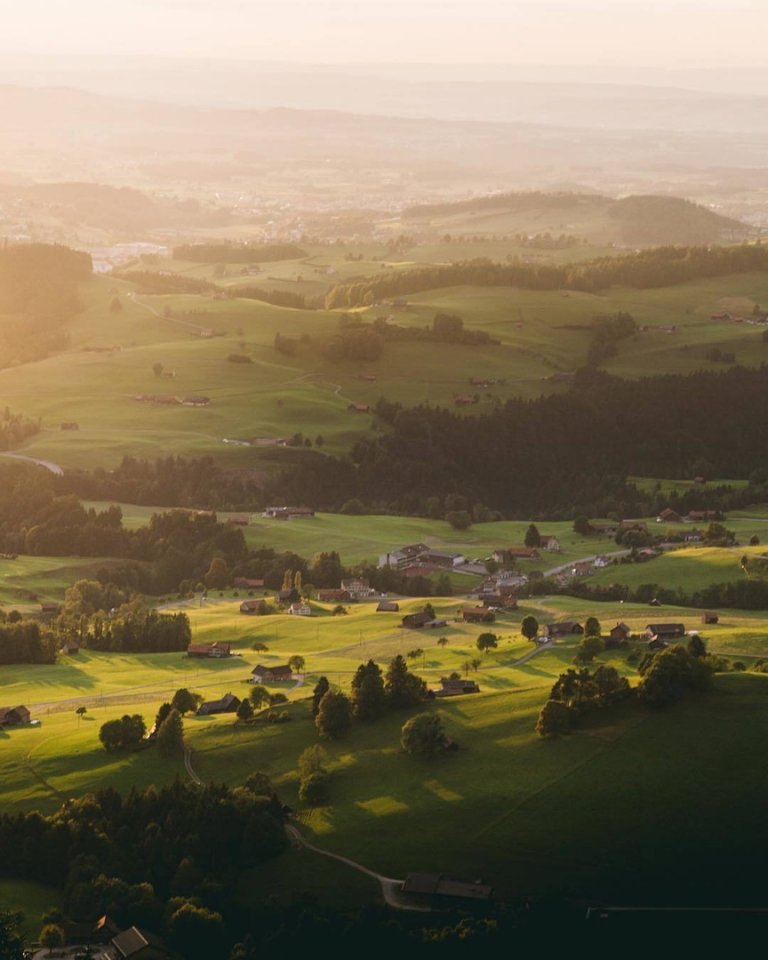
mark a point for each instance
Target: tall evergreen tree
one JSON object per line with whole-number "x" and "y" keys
{"x": 403, "y": 688}
{"x": 170, "y": 736}
{"x": 321, "y": 688}
{"x": 369, "y": 701}
{"x": 334, "y": 716}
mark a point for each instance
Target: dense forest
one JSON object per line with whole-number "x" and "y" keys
{"x": 553, "y": 457}
{"x": 658, "y": 267}
{"x": 38, "y": 294}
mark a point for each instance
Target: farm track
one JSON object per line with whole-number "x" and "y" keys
{"x": 48, "y": 465}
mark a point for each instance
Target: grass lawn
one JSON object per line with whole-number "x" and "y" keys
{"x": 31, "y": 899}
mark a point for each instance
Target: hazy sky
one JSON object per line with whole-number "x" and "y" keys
{"x": 664, "y": 33}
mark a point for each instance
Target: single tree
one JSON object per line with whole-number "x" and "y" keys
{"x": 486, "y": 642}
{"x": 529, "y": 627}
{"x": 170, "y": 736}
{"x": 259, "y": 783}
{"x": 157, "y": 369}
{"x": 403, "y": 689}
{"x": 696, "y": 646}
{"x": 116, "y": 305}
{"x": 245, "y": 711}
{"x": 442, "y": 641}
{"x": 459, "y": 519}
{"x": 321, "y": 688}
{"x": 582, "y": 526}
{"x": 185, "y": 701}
{"x": 313, "y": 789}
{"x": 217, "y": 576}
{"x": 81, "y": 712}
{"x": 296, "y": 663}
{"x": 259, "y": 696}
{"x": 555, "y": 718}
{"x": 475, "y": 663}
{"x": 334, "y": 716}
{"x": 532, "y": 536}
{"x": 592, "y": 627}
{"x": 423, "y": 735}
{"x": 52, "y": 935}
{"x": 162, "y": 713}
{"x": 589, "y": 648}
{"x": 369, "y": 700}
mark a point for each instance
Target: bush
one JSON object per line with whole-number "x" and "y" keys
{"x": 423, "y": 735}
{"x": 313, "y": 789}
{"x": 555, "y": 718}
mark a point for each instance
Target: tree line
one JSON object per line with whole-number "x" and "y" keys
{"x": 237, "y": 252}
{"x": 655, "y": 267}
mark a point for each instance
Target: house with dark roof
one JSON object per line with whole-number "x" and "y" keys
{"x": 70, "y": 647}
{"x": 566, "y": 628}
{"x": 216, "y": 649}
{"x": 388, "y": 606}
{"x": 13, "y": 716}
{"x": 404, "y": 555}
{"x": 251, "y": 606}
{"x": 333, "y": 596}
{"x": 358, "y": 589}
{"x": 227, "y": 704}
{"x": 414, "y": 621}
{"x": 247, "y": 583}
{"x": 665, "y": 631}
{"x": 620, "y": 632}
{"x": 135, "y": 944}
{"x": 475, "y": 614}
{"x": 669, "y": 516}
{"x": 455, "y": 686}
{"x": 276, "y": 674}
{"x": 709, "y": 617}
{"x": 438, "y": 887}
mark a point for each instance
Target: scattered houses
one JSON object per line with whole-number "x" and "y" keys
{"x": 227, "y": 704}
{"x": 278, "y": 674}
{"x": 13, "y": 716}
{"x": 216, "y": 650}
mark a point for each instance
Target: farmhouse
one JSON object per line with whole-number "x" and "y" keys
{"x": 549, "y": 543}
{"x": 358, "y": 589}
{"x": 403, "y": 556}
{"x": 506, "y": 600}
{"x": 228, "y": 704}
{"x": 252, "y": 606}
{"x": 238, "y": 521}
{"x": 440, "y": 558}
{"x": 475, "y": 614}
{"x": 697, "y": 516}
{"x": 620, "y": 632}
{"x": 333, "y": 596}
{"x": 70, "y": 647}
{"x": 388, "y": 606}
{"x": 135, "y": 944}
{"x": 605, "y": 529}
{"x": 216, "y": 650}
{"x": 566, "y": 628}
{"x": 287, "y": 513}
{"x": 12, "y": 716}
{"x": 710, "y": 617}
{"x": 49, "y": 609}
{"x": 455, "y": 686}
{"x": 285, "y": 596}
{"x": 300, "y": 609}
{"x": 669, "y": 516}
{"x": 414, "y": 621}
{"x": 640, "y": 526}
{"x": 246, "y": 583}
{"x": 438, "y": 886}
{"x": 519, "y": 553}
{"x": 272, "y": 674}
{"x": 358, "y": 408}
{"x": 582, "y": 568}
{"x": 664, "y": 631}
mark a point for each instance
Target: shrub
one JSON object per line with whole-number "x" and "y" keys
{"x": 313, "y": 789}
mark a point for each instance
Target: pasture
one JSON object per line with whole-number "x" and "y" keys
{"x": 112, "y": 354}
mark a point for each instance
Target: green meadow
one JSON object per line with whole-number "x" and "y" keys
{"x": 275, "y": 396}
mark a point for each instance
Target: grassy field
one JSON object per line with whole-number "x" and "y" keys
{"x": 275, "y": 396}
{"x": 31, "y": 899}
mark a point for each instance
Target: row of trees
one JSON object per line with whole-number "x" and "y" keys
{"x": 26, "y": 641}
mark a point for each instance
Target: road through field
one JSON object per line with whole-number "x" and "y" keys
{"x": 46, "y": 464}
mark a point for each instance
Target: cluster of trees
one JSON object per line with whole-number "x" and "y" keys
{"x": 15, "y": 428}
{"x": 445, "y": 328}
{"x": 24, "y": 641}
{"x": 137, "y": 631}
{"x": 577, "y": 693}
{"x": 669, "y": 674}
{"x": 237, "y": 252}
{"x": 656, "y": 267}
{"x": 280, "y": 298}
{"x": 125, "y": 733}
{"x": 39, "y": 291}
{"x": 607, "y": 332}
{"x": 744, "y": 594}
{"x": 374, "y": 694}
{"x": 168, "y": 859}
